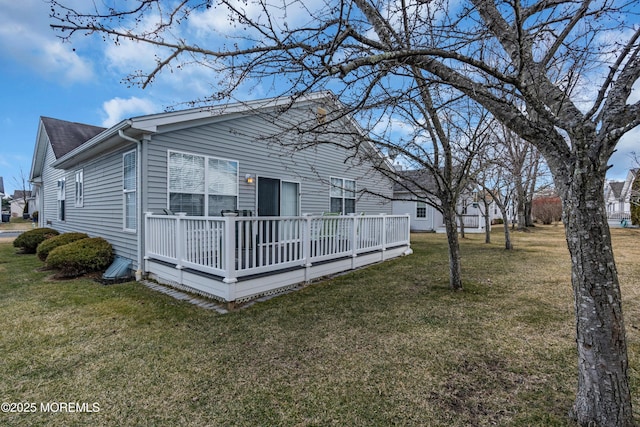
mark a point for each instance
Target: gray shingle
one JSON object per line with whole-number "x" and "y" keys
{"x": 66, "y": 136}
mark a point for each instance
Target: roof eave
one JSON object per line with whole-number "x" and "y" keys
{"x": 104, "y": 141}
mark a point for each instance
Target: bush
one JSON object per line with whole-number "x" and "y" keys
{"x": 81, "y": 257}
{"x": 29, "y": 240}
{"x": 48, "y": 245}
{"x": 547, "y": 209}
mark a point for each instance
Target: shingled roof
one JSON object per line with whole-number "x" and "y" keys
{"x": 66, "y": 136}
{"x": 415, "y": 181}
{"x": 616, "y": 188}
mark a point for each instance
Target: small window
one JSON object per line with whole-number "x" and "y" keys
{"x": 129, "y": 190}
{"x": 79, "y": 188}
{"x": 421, "y": 210}
{"x": 343, "y": 195}
{"x": 61, "y": 199}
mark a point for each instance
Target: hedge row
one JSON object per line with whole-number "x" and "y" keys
{"x": 72, "y": 254}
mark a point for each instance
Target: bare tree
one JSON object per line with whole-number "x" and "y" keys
{"x": 546, "y": 54}
{"x": 21, "y": 182}
{"x": 498, "y": 185}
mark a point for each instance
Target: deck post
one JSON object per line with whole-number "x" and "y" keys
{"x": 147, "y": 240}
{"x": 230, "y": 277}
{"x": 384, "y": 237}
{"x": 181, "y": 240}
{"x": 354, "y": 240}
{"x": 306, "y": 246}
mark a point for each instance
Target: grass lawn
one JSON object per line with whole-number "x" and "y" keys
{"x": 386, "y": 345}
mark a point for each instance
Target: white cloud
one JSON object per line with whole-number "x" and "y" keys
{"x": 25, "y": 36}
{"x": 118, "y": 109}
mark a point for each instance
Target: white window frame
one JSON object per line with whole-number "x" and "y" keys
{"x": 129, "y": 192}
{"x": 79, "y": 190}
{"x": 61, "y": 199}
{"x": 340, "y": 191}
{"x": 207, "y": 191}
{"x": 421, "y": 209}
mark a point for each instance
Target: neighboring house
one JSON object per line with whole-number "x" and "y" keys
{"x": 19, "y": 199}
{"x": 425, "y": 217}
{"x": 126, "y": 183}
{"x": 617, "y": 196}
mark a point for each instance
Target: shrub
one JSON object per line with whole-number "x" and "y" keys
{"x": 48, "y": 245}
{"x": 29, "y": 240}
{"x": 547, "y": 209}
{"x": 81, "y": 257}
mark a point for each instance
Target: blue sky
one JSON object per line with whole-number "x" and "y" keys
{"x": 83, "y": 82}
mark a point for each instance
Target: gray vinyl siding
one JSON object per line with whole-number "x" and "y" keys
{"x": 102, "y": 212}
{"x": 241, "y": 139}
{"x": 50, "y": 177}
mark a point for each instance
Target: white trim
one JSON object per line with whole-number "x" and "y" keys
{"x": 129, "y": 191}
{"x": 79, "y": 188}
{"x": 61, "y": 197}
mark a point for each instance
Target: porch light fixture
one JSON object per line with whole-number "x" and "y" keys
{"x": 249, "y": 178}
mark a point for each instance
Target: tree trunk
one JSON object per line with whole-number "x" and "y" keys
{"x": 455, "y": 272}
{"x": 487, "y": 221}
{"x": 603, "y": 396}
{"x": 528, "y": 218}
{"x": 507, "y": 233}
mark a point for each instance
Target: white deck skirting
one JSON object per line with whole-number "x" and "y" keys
{"x": 241, "y": 258}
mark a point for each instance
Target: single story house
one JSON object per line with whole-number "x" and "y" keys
{"x": 617, "y": 196}
{"x": 410, "y": 199}
{"x": 20, "y": 200}
{"x": 232, "y": 202}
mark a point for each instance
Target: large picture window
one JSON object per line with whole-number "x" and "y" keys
{"x": 202, "y": 185}
{"x": 343, "y": 195}
{"x": 129, "y": 190}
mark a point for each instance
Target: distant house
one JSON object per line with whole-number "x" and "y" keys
{"x": 411, "y": 197}
{"x": 617, "y": 196}
{"x": 209, "y": 199}
{"x": 19, "y": 201}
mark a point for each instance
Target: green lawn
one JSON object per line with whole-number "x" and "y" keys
{"x": 386, "y": 345}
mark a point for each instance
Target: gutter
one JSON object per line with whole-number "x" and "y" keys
{"x": 139, "y": 209}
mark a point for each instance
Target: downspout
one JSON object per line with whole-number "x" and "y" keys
{"x": 139, "y": 232}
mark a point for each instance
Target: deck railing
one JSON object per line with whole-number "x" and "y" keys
{"x": 619, "y": 216}
{"x": 469, "y": 221}
{"x": 233, "y": 247}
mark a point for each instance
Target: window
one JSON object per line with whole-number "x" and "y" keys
{"x": 61, "y": 197}
{"x": 202, "y": 185}
{"x": 421, "y": 209}
{"x": 129, "y": 190}
{"x": 79, "y": 188}
{"x": 343, "y": 195}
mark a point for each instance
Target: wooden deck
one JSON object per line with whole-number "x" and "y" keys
{"x": 240, "y": 258}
